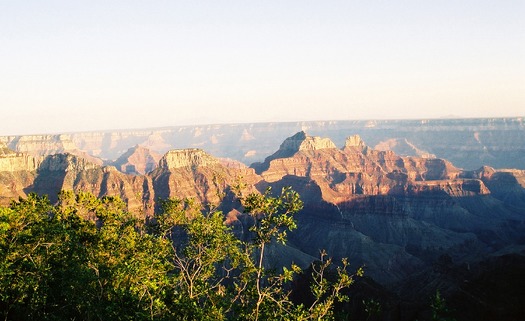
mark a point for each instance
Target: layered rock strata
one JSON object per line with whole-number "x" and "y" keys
{"x": 396, "y": 214}
{"x": 393, "y": 213}
{"x": 359, "y": 170}
{"x": 137, "y": 160}
{"x": 468, "y": 143}
{"x": 193, "y": 173}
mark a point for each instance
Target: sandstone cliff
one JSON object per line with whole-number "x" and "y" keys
{"x": 69, "y": 172}
{"x": 396, "y": 214}
{"x": 17, "y": 172}
{"x": 468, "y": 143}
{"x": 44, "y": 145}
{"x": 507, "y": 185}
{"x": 359, "y": 170}
{"x": 137, "y": 160}
{"x": 11, "y": 161}
{"x": 187, "y": 158}
{"x": 193, "y": 173}
{"x": 21, "y": 174}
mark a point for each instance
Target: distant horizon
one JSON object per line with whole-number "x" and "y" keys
{"x": 444, "y": 118}
{"x": 69, "y": 66}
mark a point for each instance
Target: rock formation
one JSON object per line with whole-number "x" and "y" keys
{"x": 11, "y": 161}
{"x": 396, "y": 214}
{"x": 44, "y": 145}
{"x": 392, "y": 213}
{"x": 359, "y": 170}
{"x": 137, "y": 160}
{"x": 468, "y": 143}
{"x": 69, "y": 172}
{"x": 193, "y": 173}
{"x": 17, "y": 172}
{"x": 187, "y": 158}
{"x": 355, "y": 142}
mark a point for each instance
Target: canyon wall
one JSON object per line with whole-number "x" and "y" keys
{"x": 396, "y": 214}
{"x": 467, "y": 143}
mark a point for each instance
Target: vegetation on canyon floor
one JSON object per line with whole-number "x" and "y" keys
{"x": 86, "y": 258}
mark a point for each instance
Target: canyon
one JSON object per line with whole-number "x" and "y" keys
{"x": 398, "y": 208}
{"x": 467, "y": 143}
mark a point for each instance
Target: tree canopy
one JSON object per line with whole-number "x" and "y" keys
{"x": 87, "y": 258}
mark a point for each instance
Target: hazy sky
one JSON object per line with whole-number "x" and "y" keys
{"x": 90, "y": 65}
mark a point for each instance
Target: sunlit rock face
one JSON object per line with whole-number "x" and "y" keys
{"x": 359, "y": 170}
{"x": 69, "y": 172}
{"x": 11, "y": 161}
{"x": 467, "y": 143}
{"x": 507, "y": 185}
{"x": 301, "y": 141}
{"x": 194, "y": 174}
{"x": 137, "y": 160}
{"x": 187, "y": 158}
{"x": 394, "y": 213}
{"x": 354, "y": 142}
{"x": 65, "y": 163}
{"x": 44, "y": 145}
{"x": 17, "y": 172}
{"x": 21, "y": 173}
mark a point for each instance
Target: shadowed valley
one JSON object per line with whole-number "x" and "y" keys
{"x": 418, "y": 223}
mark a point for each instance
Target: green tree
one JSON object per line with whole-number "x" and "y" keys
{"x": 440, "y": 311}
{"x": 87, "y": 258}
{"x": 26, "y": 250}
{"x": 205, "y": 254}
{"x": 264, "y": 293}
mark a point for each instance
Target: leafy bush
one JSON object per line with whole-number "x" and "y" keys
{"x": 86, "y": 258}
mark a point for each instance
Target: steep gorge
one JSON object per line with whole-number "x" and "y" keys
{"x": 467, "y": 143}
{"x": 398, "y": 215}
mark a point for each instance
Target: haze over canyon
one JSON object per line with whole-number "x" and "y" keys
{"x": 425, "y": 205}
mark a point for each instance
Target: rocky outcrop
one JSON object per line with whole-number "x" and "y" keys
{"x": 11, "y": 161}
{"x": 359, "y": 170}
{"x": 187, "y": 158}
{"x": 293, "y": 145}
{"x": 507, "y": 185}
{"x": 69, "y": 172}
{"x": 396, "y": 214}
{"x": 354, "y": 143}
{"x": 193, "y": 173}
{"x": 65, "y": 163}
{"x": 301, "y": 141}
{"x": 188, "y": 173}
{"x": 137, "y": 160}
{"x": 17, "y": 172}
{"x": 44, "y": 145}
{"x": 468, "y": 143}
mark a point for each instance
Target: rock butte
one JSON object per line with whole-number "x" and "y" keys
{"x": 467, "y": 143}
{"x": 367, "y": 204}
{"x": 187, "y": 158}
{"x": 401, "y": 216}
{"x": 341, "y": 174}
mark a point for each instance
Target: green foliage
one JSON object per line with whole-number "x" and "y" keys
{"x": 26, "y": 253}
{"x": 86, "y": 258}
{"x": 372, "y": 308}
{"x": 440, "y": 311}
{"x": 58, "y": 265}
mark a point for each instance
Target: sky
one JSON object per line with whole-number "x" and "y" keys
{"x": 69, "y": 66}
